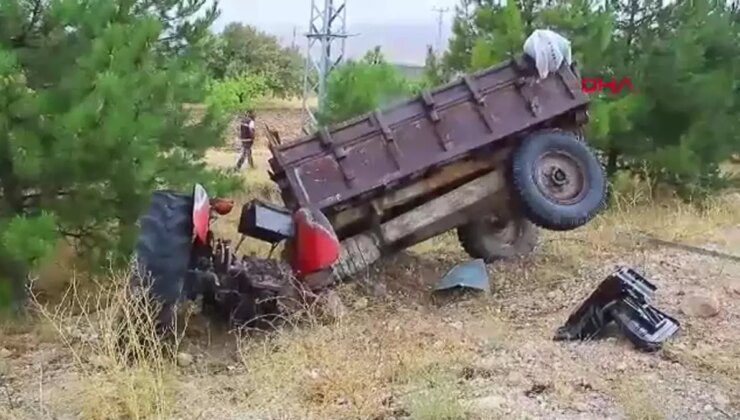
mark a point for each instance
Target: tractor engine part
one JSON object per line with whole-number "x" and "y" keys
{"x": 312, "y": 245}
{"x": 222, "y": 206}
{"x": 266, "y": 222}
{"x": 201, "y": 214}
{"x": 315, "y": 246}
{"x": 624, "y": 298}
{"x": 245, "y": 292}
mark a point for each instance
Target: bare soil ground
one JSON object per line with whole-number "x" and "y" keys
{"x": 398, "y": 352}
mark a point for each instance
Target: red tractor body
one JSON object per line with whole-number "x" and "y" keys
{"x": 183, "y": 260}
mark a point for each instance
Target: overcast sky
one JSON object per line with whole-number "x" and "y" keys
{"x": 296, "y": 12}
{"x": 403, "y": 28}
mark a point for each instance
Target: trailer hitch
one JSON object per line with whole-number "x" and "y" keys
{"x": 623, "y": 298}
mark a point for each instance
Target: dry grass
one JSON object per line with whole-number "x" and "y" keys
{"x": 376, "y": 362}
{"x": 123, "y": 368}
{"x": 54, "y": 276}
{"x": 638, "y": 399}
{"x": 438, "y": 403}
{"x": 354, "y": 369}
{"x": 731, "y": 168}
{"x": 718, "y": 362}
{"x": 284, "y": 103}
{"x": 257, "y": 182}
{"x": 667, "y": 219}
{"x": 617, "y": 231}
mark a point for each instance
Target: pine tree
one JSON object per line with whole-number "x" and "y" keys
{"x": 92, "y": 119}
{"x": 457, "y": 57}
{"x": 690, "y": 82}
{"x": 501, "y": 35}
{"x": 681, "y": 120}
{"x": 361, "y": 86}
{"x": 483, "y": 31}
{"x": 433, "y": 72}
{"x": 591, "y": 27}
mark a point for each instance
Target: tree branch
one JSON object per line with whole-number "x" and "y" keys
{"x": 34, "y": 15}
{"x": 70, "y": 234}
{"x": 20, "y": 41}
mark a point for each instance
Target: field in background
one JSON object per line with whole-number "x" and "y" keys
{"x": 398, "y": 352}
{"x": 285, "y": 103}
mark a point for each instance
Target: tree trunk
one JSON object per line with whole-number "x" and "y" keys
{"x": 11, "y": 192}
{"x": 528, "y": 15}
{"x": 612, "y": 160}
{"x": 15, "y": 274}
{"x": 11, "y": 205}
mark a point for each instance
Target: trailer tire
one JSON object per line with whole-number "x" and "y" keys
{"x": 163, "y": 250}
{"x": 492, "y": 239}
{"x": 559, "y": 181}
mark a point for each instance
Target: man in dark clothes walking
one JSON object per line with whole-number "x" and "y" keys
{"x": 246, "y": 136}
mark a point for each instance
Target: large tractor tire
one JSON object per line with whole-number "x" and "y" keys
{"x": 559, "y": 181}
{"x": 163, "y": 250}
{"x": 492, "y": 239}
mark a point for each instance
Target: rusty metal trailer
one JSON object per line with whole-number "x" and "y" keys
{"x": 492, "y": 151}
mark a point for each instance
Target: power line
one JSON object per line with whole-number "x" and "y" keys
{"x": 441, "y": 11}
{"x": 327, "y": 35}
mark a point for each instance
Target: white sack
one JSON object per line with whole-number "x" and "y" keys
{"x": 548, "y": 49}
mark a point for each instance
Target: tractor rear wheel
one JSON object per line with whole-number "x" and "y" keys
{"x": 163, "y": 250}
{"x": 493, "y": 239}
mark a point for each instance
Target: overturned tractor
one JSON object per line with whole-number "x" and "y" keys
{"x": 495, "y": 156}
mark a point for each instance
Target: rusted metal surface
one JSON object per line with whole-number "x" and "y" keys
{"x": 368, "y": 156}
{"x": 431, "y": 218}
{"x": 431, "y": 212}
{"x": 384, "y": 204}
{"x": 561, "y": 178}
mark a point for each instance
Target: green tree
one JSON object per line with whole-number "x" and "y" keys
{"x": 92, "y": 120}
{"x": 464, "y": 33}
{"x": 362, "y": 86}
{"x": 433, "y": 71}
{"x": 690, "y": 82}
{"x": 501, "y": 35}
{"x": 590, "y": 26}
{"x": 236, "y": 94}
{"x": 484, "y": 31}
{"x": 241, "y": 49}
{"x": 682, "y": 58}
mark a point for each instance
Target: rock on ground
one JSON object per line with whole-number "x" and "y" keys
{"x": 184, "y": 359}
{"x": 700, "y": 306}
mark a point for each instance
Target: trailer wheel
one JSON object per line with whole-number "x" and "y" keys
{"x": 492, "y": 239}
{"x": 163, "y": 250}
{"x": 560, "y": 182}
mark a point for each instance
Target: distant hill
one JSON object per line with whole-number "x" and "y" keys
{"x": 411, "y": 71}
